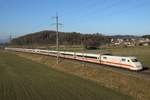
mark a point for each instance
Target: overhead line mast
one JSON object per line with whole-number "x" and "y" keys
{"x": 57, "y": 36}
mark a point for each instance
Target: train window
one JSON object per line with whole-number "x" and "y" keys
{"x": 123, "y": 59}
{"x": 80, "y": 55}
{"x": 86, "y": 56}
{"x": 104, "y": 57}
{"x": 134, "y": 60}
{"x": 91, "y": 57}
{"x": 67, "y": 54}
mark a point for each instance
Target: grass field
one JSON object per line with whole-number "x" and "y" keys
{"x": 134, "y": 85}
{"x": 22, "y": 79}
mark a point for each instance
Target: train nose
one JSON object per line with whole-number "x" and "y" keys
{"x": 138, "y": 65}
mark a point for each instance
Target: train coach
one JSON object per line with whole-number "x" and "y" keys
{"x": 130, "y": 63}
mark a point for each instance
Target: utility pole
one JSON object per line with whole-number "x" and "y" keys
{"x": 57, "y": 36}
{"x": 57, "y": 40}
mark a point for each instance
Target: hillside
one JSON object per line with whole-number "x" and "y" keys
{"x": 65, "y": 38}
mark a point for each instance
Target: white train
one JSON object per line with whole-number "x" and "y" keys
{"x": 130, "y": 63}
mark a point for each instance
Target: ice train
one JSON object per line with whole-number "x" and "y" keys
{"x": 130, "y": 63}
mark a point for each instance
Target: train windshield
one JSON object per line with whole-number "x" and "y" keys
{"x": 134, "y": 60}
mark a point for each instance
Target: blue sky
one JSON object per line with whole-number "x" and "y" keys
{"x": 132, "y": 17}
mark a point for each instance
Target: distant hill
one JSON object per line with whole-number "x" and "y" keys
{"x": 68, "y": 38}
{"x": 65, "y": 38}
{"x": 47, "y": 37}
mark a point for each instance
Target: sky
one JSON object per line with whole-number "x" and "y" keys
{"x": 110, "y": 17}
